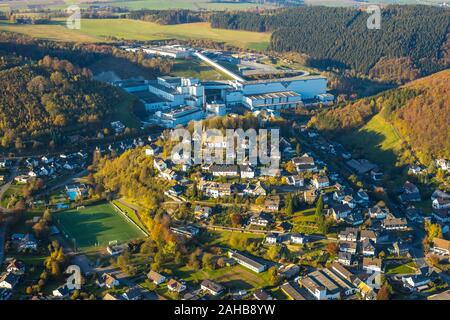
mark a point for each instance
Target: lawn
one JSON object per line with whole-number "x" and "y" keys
{"x": 14, "y": 190}
{"x": 196, "y": 69}
{"x": 236, "y": 277}
{"x": 222, "y": 238}
{"x": 95, "y": 30}
{"x": 377, "y": 140}
{"x": 96, "y": 225}
{"x": 407, "y": 268}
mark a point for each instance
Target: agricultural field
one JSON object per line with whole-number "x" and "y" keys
{"x": 98, "y": 30}
{"x": 96, "y": 225}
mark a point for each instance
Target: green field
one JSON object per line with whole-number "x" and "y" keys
{"x": 96, "y": 225}
{"x": 407, "y": 268}
{"x": 95, "y": 30}
{"x": 378, "y": 141}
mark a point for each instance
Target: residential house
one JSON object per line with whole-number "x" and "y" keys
{"x": 440, "y": 194}
{"x": 186, "y": 231}
{"x": 61, "y": 292}
{"x": 441, "y": 215}
{"x": 413, "y": 214}
{"x": 155, "y": 277}
{"x": 362, "y": 196}
{"x": 132, "y": 294}
{"x": 296, "y": 181}
{"x": 256, "y": 190}
{"x": 272, "y": 203}
{"x": 288, "y": 271}
{"x": 348, "y": 246}
{"x": 213, "y": 288}
{"x": 175, "y": 286}
{"x": 410, "y": 193}
{"x": 372, "y": 264}
{"x": 348, "y": 200}
{"x": 441, "y": 203}
{"x": 159, "y": 165}
{"x": 392, "y": 223}
{"x": 109, "y": 281}
{"x": 349, "y": 234}
{"x": 376, "y": 174}
{"x": 443, "y": 164}
{"x": 247, "y": 261}
{"x": 320, "y": 181}
{"x": 202, "y": 212}
{"x": 262, "y": 295}
{"x": 368, "y": 235}
{"x": 22, "y": 179}
{"x": 8, "y": 280}
{"x": 345, "y": 258}
{"x": 152, "y": 150}
{"x": 260, "y": 219}
{"x": 215, "y": 189}
{"x": 15, "y": 266}
{"x": 416, "y": 282}
{"x": 224, "y": 170}
{"x": 304, "y": 163}
{"x": 298, "y": 238}
{"x": 168, "y": 174}
{"x": 441, "y": 247}
{"x": 354, "y": 218}
{"x": 175, "y": 190}
{"x": 24, "y": 242}
{"x": 247, "y": 172}
{"x": 340, "y": 211}
{"x": 368, "y": 249}
{"x": 377, "y": 212}
{"x": 271, "y": 238}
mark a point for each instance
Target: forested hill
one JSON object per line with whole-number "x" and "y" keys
{"x": 42, "y": 103}
{"x": 418, "y": 111}
{"x": 413, "y": 40}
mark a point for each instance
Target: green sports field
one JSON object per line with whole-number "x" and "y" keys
{"x": 96, "y": 225}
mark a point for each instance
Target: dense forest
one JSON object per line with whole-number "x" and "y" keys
{"x": 167, "y": 17}
{"x": 414, "y": 38}
{"x": 81, "y": 54}
{"x": 420, "y": 111}
{"x": 40, "y": 101}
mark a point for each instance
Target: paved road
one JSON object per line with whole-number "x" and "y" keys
{"x": 2, "y": 241}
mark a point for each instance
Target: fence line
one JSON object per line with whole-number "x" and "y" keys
{"x": 128, "y": 218}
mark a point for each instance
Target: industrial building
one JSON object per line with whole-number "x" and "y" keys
{"x": 179, "y": 116}
{"x": 174, "y": 51}
{"x": 178, "y": 100}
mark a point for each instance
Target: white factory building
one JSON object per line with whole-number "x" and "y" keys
{"x": 179, "y": 116}
{"x": 166, "y": 92}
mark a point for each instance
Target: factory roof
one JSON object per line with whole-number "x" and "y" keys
{"x": 272, "y": 95}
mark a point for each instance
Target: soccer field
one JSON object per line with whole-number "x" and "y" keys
{"x": 96, "y": 225}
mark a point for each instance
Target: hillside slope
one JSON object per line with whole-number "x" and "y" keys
{"x": 386, "y": 127}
